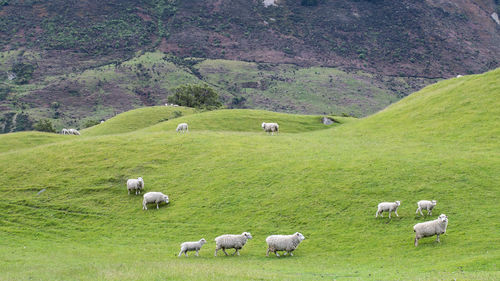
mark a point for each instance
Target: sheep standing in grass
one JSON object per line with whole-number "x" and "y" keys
{"x": 192, "y": 246}
{"x": 270, "y": 127}
{"x": 182, "y": 127}
{"x": 154, "y": 197}
{"x": 135, "y": 184}
{"x": 287, "y": 243}
{"x": 431, "y": 228}
{"x": 426, "y": 205}
{"x": 231, "y": 241}
{"x": 388, "y": 207}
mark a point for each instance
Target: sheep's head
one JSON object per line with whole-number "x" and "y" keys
{"x": 434, "y": 202}
{"x": 263, "y": 125}
{"x": 165, "y": 198}
{"x": 398, "y": 203}
{"x": 247, "y": 235}
{"x": 141, "y": 181}
{"x": 203, "y": 241}
{"x": 443, "y": 218}
{"x": 300, "y": 236}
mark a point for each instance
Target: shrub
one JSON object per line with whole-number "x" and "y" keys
{"x": 90, "y": 123}
{"x": 44, "y": 125}
{"x": 23, "y": 72}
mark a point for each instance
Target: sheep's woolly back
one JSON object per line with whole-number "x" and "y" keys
{"x": 193, "y": 246}
{"x": 388, "y": 206}
{"x": 155, "y": 197}
{"x": 270, "y": 127}
{"x": 430, "y": 228}
{"x": 229, "y": 241}
{"x": 426, "y": 204}
{"x": 284, "y": 242}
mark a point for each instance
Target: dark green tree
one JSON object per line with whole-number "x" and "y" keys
{"x": 23, "y": 72}
{"x": 196, "y": 95}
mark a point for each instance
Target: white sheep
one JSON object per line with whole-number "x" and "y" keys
{"x": 135, "y": 184}
{"x": 192, "y": 246}
{"x": 287, "y": 243}
{"x": 270, "y": 127}
{"x": 425, "y": 205}
{"x": 154, "y": 197}
{"x": 431, "y": 228}
{"x": 73, "y": 132}
{"x": 231, "y": 241}
{"x": 65, "y": 131}
{"x": 458, "y": 76}
{"x": 182, "y": 127}
{"x": 388, "y": 207}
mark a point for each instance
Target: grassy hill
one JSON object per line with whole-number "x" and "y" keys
{"x": 227, "y": 176}
{"x": 71, "y": 98}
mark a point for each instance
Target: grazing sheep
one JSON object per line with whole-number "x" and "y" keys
{"x": 270, "y": 127}
{"x": 426, "y": 205}
{"x": 231, "y": 241}
{"x": 154, "y": 197}
{"x": 388, "y": 207}
{"x": 135, "y": 184}
{"x": 182, "y": 127}
{"x": 458, "y": 76}
{"x": 73, "y": 132}
{"x": 431, "y": 228}
{"x": 287, "y": 243}
{"x": 192, "y": 246}
{"x": 65, "y": 131}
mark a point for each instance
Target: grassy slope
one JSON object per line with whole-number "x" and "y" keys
{"x": 324, "y": 183}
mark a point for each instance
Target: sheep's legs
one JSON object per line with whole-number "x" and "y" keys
{"x": 157, "y": 207}
{"x": 389, "y": 214}
{"x": 236, "y": 252}
{"x": 437, "y": 239}
{"x": 419, "y": 210}
{"x": 216, "y": 252}
{"x": 267, "y": 252}
{"x": 429, "y": 212}
{"x": 224, "y": 250}
{"x": 396, "y": 212}
{"x": 277, "y": 254}
{"x": 291, "y": 254}
{"x": 180, "y": 253}
{"x": 129, "y": 192}
{"x": 196, "y": 253}
{"x": 416, "y": 242}
{"x": 186, "y": 253}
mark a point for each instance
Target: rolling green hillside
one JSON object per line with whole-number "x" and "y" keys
{"x": 227, "y": 176}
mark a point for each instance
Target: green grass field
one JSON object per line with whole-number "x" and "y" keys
{"x": 227, "y": 176}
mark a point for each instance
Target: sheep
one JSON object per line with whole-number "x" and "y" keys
{"x": 388, "y": 207}
{"x": 73, "y": 132}
{"x": 431, "y": 228}
{"x": 425, "y": 205}
{"x": 270, "y": 127}
{"x": 458, "y": 76}
{"x": 154, "y": 197}
{"x": 231, "y": 241}
{"x": 287, "y": 243}
{"x": 65, "y": 131}
{"x": 192, "y": 246}
{"x": 135, "y": 184}
{"x": 182, "y": 127}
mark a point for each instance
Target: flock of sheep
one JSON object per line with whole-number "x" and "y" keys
{"x": 423, "y": 229}
{"x": 275, "y": 243}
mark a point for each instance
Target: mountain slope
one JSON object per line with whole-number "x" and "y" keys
{"x": 323, "y": 183}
